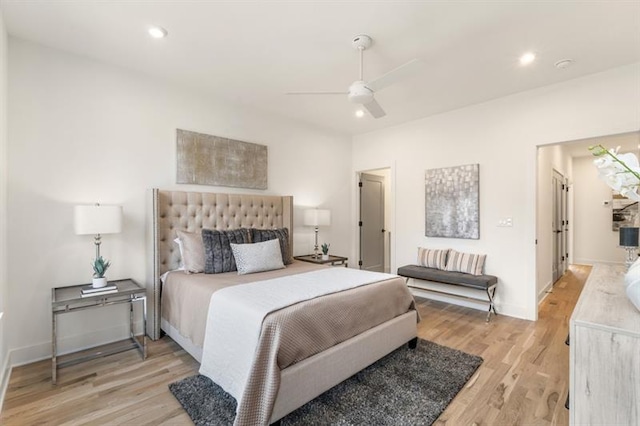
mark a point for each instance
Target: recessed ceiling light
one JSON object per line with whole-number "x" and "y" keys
{"x": 157, "y": 32}
{"x": 359, "y": 113}
{"x": 527, "y": 58}
{"x": 564, "y": 63}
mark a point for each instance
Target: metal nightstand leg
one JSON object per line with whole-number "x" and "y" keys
{"x": 142, "y": 347}
{"x": 54, "y": 359}
{"x": 144, "y": 327}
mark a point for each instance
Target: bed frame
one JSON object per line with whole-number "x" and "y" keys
{"x": 192, "y": 211}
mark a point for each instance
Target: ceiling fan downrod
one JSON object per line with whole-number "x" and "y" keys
{"x": 361, "y": 42}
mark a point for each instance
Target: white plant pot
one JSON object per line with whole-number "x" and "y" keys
{"x": 325, "y": 257}
{"x": 99, "y": 282}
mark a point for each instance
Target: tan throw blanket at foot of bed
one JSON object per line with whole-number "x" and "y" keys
{"x": 256, "y": 330}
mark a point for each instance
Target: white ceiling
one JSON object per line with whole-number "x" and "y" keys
{"x": 252, "y": 52}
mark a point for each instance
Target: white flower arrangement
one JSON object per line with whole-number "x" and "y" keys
{"x": 620, "y": 171}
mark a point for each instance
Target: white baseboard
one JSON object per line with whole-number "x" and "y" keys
{"x": 70, "y": 344}
{"x": 515, "y": 311}
{"x": 592, "y": 262}
{"x": 544, "y": 292}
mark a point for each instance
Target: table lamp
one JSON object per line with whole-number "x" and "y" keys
{"x": 316, "y": 218}
{"x": 97, "y": 220}
{"x": 629, "y": 240}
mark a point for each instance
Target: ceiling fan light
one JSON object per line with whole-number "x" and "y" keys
{"x": 359, "y": 113}
{"x": 359, "y": 93}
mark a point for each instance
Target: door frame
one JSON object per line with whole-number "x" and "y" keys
{"x": 390, "y": 199}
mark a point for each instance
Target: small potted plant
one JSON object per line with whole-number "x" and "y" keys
{"x": 325, "y": 251}
{"x": 100, "y": 266}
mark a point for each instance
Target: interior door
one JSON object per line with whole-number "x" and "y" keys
{"x": 372, "y": 230}
{"x": 559, "y": 226}
{"x": 565, "y": 223}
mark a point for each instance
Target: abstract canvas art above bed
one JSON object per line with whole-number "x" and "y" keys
{"x": 452, "y": 202}
{"x": 212, "y": 160}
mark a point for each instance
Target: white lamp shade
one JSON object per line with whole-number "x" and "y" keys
{"x": 317, "y": 217}
{"x": 97, "y": 219}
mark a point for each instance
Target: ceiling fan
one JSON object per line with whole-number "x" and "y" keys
{"x": 362, "y": 92}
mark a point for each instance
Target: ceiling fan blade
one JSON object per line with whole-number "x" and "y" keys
{"x": 374, "y": 109}
{"x": 394, "y": 75}
{"x": 316, "y": 93}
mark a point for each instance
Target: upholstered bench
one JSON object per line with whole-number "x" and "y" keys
{"x": 486, "y": 283}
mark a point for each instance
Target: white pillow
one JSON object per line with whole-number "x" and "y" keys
{"x": 191, "y": 251}
{"x": 257, "y": 257}
{"x": 179, "y": 243}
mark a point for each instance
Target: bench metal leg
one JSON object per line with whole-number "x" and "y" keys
{"x": 491, "y": 291}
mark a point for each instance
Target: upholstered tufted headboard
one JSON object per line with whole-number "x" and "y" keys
{"x": 192, "y": 211}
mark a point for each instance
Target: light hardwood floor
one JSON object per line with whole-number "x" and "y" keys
{"x": 523, "y": 380}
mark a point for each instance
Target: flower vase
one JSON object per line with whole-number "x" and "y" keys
{"x": 325, "y": 257}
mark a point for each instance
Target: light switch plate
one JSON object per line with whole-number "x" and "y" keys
{"x": 505, "y": 222}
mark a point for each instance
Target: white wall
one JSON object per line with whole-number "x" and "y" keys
{"x": 550, "y": 158}
{"x": 84, "y": 132}
{"x": 594, "y": 239}
{"x": 502, "y": 136}
{"x": 4, "y": 351}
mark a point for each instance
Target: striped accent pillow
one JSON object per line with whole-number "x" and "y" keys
{"x": 430, "y": 258}
{"x": 465, "y": 262}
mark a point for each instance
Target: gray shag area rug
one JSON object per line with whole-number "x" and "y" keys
{"x": 407, "y": 387}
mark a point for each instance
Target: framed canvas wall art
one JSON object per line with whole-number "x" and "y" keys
{"x": 452, "y": 202}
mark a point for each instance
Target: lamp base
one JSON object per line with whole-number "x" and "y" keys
{"x": 315, "y": 248}
{"x": 632, "y": 256}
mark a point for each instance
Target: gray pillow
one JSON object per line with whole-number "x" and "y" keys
{"x": 282, "y": 234}
{"x": 217, "y": 248}
{"x": 257, "y": 257}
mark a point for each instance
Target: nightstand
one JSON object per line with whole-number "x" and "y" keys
{"x": 70, "y": 299}
{"x": 333, "y": 260}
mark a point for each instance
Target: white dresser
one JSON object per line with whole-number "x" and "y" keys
{"x": 605, "y": 352}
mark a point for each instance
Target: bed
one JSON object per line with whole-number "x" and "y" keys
{"x": 304, "y": 379}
